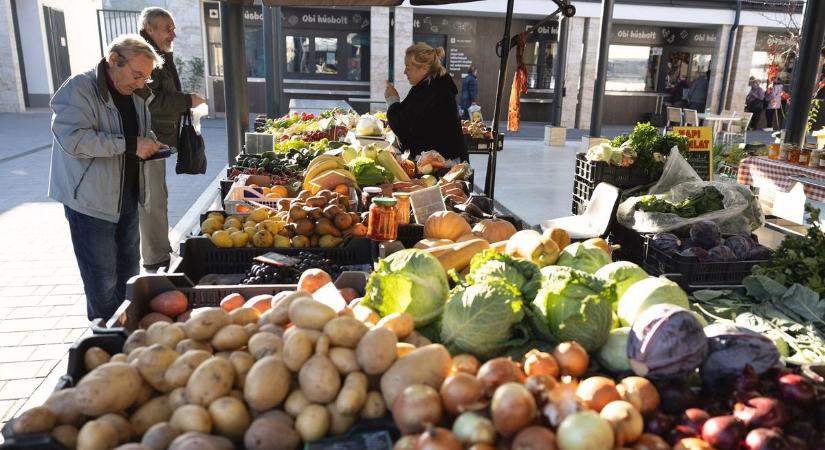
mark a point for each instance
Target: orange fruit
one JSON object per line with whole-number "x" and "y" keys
{"x": 342, "y": 189}
{"x": 278, "y": 192}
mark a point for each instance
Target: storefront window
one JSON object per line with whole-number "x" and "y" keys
{"x": 326, "y": 55}
{"x": 632, "y": 68}
{"x": 254, "y": 45}
{"x": 297, "y": 54}
{"x": 358, "y": 52}
{"x": 699, "y": 65}
{"x": 538, "y": 59}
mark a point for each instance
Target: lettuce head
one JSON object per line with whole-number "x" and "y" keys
{"x": 491, "y": 265}
{"x": 584, "y": 257}
{"x": 367, "y": 172}
{"x": 409, "y": 281}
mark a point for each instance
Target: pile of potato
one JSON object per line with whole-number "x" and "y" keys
{"x": 296, "y": 372}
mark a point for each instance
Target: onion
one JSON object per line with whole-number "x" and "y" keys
{"x": 407, "y": 442}
{"x": 681, "y": 432}
{"x": 482, "y": 447}
{"x": 498, "y": 371}
{"x": 692, "y": 444}
{"x": 572, "y": 358}
{"x": 625, "y": 418}
{"x": 677, "y": 398}
{"x": 694, "y": 418}
{"x": 761, "y": 412}
{"x": 534, "y": 438}
{"x": 658, "y": 423}
{"x": 462, "y": 392}
{"x": 416, "y": 406}
{"x": 723, "y": 432}
{"x": 561, "y": 402}
{"x": 540, "y": 386}
{"x": 596, "y": 392}
{"x": 649, "y": 441}
{"x": 797, "y": 389}
{"x": 540, "y": 363}
{"x": 765, "y": 439}
{"x": 585, "y": 430}
{"x": 640, "y": 392}
{"x": 513, "y": 408}
{"x": 438, "y": 439}
{"x": 470, "y": 428}
{"x": 465, "y": 363}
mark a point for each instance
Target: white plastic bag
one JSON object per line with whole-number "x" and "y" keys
{"x": 475, "y": 113}
{"x": 368, "y": 125}
{"x": 201, "y": 110}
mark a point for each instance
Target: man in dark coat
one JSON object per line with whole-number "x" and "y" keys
{"x": 469, "y": 91}
{"x": 158, "y": 28}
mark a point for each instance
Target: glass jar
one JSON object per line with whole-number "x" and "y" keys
{"x": 793, "y": 154}
{"x": 382, "y": 224}
{"x": 403, "y": 199}
{"x": 816, "y": 156}
{"x": 368, "y": 194}
{"x": 804, "y": 156}
{"x": 773, "y": 151}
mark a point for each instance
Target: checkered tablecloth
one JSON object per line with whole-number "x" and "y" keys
{"x": 764, "y": 173}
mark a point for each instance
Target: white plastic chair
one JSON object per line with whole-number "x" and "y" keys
{"x": 595, "y": 221}
{"x": 674, "y": 116}
{"x": 691, "y": 118}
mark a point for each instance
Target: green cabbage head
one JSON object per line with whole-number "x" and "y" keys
{"x": 613, "y": 354}
{"x": 522, "y": 274}
{"x": 646, "y": 293}
{"x": 409, "y": 281}
{"x": 623, "y": 273}
{"x": 575, "y": 306}
{"x": 587, "y": 258}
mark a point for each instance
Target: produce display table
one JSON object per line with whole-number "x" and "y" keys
{"x": 316, "y": 106}
{"x": 765, "y": 173}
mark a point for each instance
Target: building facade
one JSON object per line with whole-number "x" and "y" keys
{"x": 656, "y": 52}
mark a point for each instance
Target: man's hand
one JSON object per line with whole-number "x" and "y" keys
{"x": 197, "y": 100}
{"x": 390, "y": 91}
{"x": 146, "y": 147}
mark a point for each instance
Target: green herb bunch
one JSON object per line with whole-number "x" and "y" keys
{"x": 648, "y": 141}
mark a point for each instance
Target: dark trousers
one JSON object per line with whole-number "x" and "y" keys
{"x": 757, "y": 113}
{"x": 108, "y": 254}
{"x": 775, "y": 118}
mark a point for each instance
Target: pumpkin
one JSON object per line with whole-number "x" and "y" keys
{"x": 494, "y": 230}
{"x": 600, "y": 243}
{"x": 558, "y": 235}
{"x": 446, "y": 225}
{"x": 430, "y": 243}
{"x": 468, "y": 237}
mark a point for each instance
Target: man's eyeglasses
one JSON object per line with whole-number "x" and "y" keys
{"x": 136, "y": 74}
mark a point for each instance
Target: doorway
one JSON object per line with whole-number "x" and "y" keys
{"x": 681, "y": 67}
{"x": 58, "y": 45}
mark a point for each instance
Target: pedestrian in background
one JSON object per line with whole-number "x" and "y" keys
{"x": 755, "y": 102}
{"x": 469, "y": 92}
{"x": 774, "y": 116}
{"x": 101, "y": 136}
{"x": 169, "y": 103}
{"x": 697, "y": 95}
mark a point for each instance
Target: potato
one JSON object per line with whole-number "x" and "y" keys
{"x": 134, "y": 355}
{"x": 159, "y": 436}
{"x": 344, "y": 360}
{"x": 191, "y": 418}
{"x": 119, "y": 357}
{"x": 262, "y": 303}
{"x": 403, "y": 349}
{"x": 229, "y": 417}
{"x": 401, "y": 324}
{"x": 241, "y": 362}
{"x": 297, "y": 350}
{"x": 417, "y": 340}
{"x": 312, "y": 280}
{"x": 61, "y": 403}
{"x": 191, "y": 344}
{"x": 135, "y": 340}
{"x": 232, "y": 302}
{"x": 169, "y": 303}
{"x": 230, "y": 337}
{"x": 345, "y": 331}
{"x": 278, "y": 415}
{"x": 264, "y": 344}
{"x": 268, "y": 433}
{"x": 36, "y": 420}
{"x": 353, "y": 394}
{"x": 111, "y": 387}
{"x": 210, "y": 380}
{"x": 145, "y": 393}
{"x": 346, "y": 312}
{"x": 120, "y": 424}
{"x": 205, "y": 322}
{"x": 184, "y": 316}
{"x": 153, "y": 317}
{"x": 313, "y": 423}
{"x": 279, "y": 314}
{"x": 153, "y": 364}
{"x": 179, "y": 372}
{"x": 251, "y": 328}
{"x": 319, "y": 378}
{"x": 428, "y": 365}
{"x": 374, "y": 407}
{"x": 308, "y": 313}
{"x": 236, "y": 394}
{"x": 364, "y": 314}
{"x": 339, "y": 423}
{"x": 97, "y": 435}
{"x": 376, "y": 351}
{"x": 200, "y": 441}
{"x": 313, "y": 334}
{"x": 95, "y": 356}
{"x": 267, "y": 383}
{"x": 131, "y": 446}
{"x": 177, "y": 398}
{"x": 224, "y": 354}
{"x": 270, "y": 328}
{"x": 156, "y": 410}
{"x": 295, "y": 403}
{"x": 164, "y": 334}
{"x": 66, "y": 435}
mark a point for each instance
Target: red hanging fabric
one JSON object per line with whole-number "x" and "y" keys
{"x": 519, "y": 87}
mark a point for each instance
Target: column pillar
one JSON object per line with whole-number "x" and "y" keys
{"x": 403, "y": 39}
{"x": 573, "y": 71}
{"x": 588, "y": 76}
{"x": 741, "y": 70}
{"x": 717, "y": 67}
{"x": 379, "y": 50}
{"x": 11, "y": 84}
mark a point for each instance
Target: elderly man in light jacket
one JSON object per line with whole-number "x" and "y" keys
{"x": 102, "y": 136}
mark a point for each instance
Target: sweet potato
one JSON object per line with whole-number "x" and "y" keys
{"x": 169, "y": 303}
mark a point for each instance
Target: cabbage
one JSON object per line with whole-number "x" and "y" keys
{"x": 601, "y": 152}
{"x": 574, "y": 306}
{"x": 587, "y": 258}
{"x": 367, "y": 172}
{"x": 646, "y": 293}
{"x": 409, "y": 281}
{"x": 623, "y": 274}
{"x": 482, "y": 319}
{"x": 521, "y": 274}
{"x": 613, "y": 354}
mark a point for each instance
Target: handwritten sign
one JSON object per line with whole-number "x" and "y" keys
{"x": 700, "y": 149}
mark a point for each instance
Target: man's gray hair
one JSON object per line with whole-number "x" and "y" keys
{"x": 149, "y": 15}
{"x": 128, "y": 46}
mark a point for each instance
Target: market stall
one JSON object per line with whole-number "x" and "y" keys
{"x": 780, "y": 176}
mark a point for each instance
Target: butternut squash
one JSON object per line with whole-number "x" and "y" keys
{"x": 430, "y": 243}
{"x": 459, "y": 255}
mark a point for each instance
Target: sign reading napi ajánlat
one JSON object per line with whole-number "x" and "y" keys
{"x": 700, "y": 149}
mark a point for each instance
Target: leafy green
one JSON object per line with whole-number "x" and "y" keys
{"x": 482, "y": 319}
{"x": 647, "y": 142}
{"x": 709, "y": 200}
{"x": 624, "y": 274}
{"x": 367, "y": 172}
{"x": 410, "y": 281}
{"x": 646, "y": 293}
{"x": 585, "y": 257}
{"x": 521, "y": 274}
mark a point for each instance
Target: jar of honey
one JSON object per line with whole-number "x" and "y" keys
{"x": 773, "y": 151}
{"x": 793, "y": 154}
{"x": 804, "y": 156}
{"x": 382, "y": 224}
{"x": 368, "y": 194}
{"x": 403, "y": 199}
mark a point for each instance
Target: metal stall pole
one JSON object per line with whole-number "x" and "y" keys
{"x": 234, "y": 77}
{"x": 489, "y": 182}
{"x": 558, "y": 71}
{"x": 805, "y": 71}
{"x": 272, "y": 25}
{"x": 601, "y": 74}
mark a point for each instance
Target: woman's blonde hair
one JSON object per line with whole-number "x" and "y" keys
{"x": 422, "y": 55}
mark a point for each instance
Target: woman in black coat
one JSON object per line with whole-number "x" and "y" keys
{"x": 427, "y": 119}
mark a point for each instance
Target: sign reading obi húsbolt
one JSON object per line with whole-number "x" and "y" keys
{"x": 663, "y": 36}
{"x": 326, "y": 19}
{"x": 700, "y": 149}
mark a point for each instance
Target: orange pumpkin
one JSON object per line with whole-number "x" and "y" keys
{"x": 446, "y": 225}
{"x": 557, "y": 235}
{"x": 494, "y": 230}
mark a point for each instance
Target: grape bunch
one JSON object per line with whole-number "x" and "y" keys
{"x": 269, "y": 274}
{"x": 313, "y": 136}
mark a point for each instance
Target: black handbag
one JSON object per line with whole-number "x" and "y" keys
{"x": 191, "y": 149}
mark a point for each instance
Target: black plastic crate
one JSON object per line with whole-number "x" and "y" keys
{"x": 199, "y": 256}
{"x": 474, "y": 145}
{"x": 632, "y": 245}
{"x": 409, "y": 234}
{"x": 596, "y": 172}
{"x": 728, "y": 171}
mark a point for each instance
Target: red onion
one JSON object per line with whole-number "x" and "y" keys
{"x": 694, "y": 418}
{"x": 498, "y": 371}
{"x": 797, "y": 389}
{"x": 658, "y": 424}
{"x": 765, "y": 439}
{"x": 416, "y": 406}
{"x": 723, "y": 432}
{"x": 680, "y": 432}
{"x": 677, "y": 398}
{"x": 761, "y": 412}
